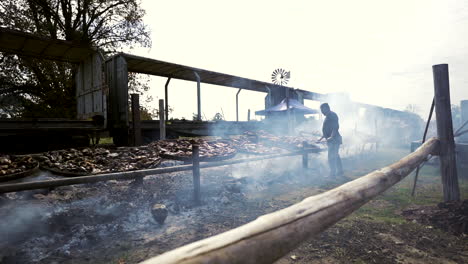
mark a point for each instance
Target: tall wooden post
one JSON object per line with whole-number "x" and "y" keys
{"x": 136, "y": 124}
{"x": 117, "y": 79}
{"x": 248, "y": 115}
{"x": 448, "y": 167}
{"x": 196, "y": 172}
{"x": 162, "y": 122}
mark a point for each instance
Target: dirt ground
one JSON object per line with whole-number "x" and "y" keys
{"x": 110, "y": 222}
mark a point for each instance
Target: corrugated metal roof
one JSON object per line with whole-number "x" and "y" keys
{"x": 30, "y": 45}
{"x": 171, "y": 70}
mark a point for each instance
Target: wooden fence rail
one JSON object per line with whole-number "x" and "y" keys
{"x": 130, "y": 175}
{"x": 271, "y": 236}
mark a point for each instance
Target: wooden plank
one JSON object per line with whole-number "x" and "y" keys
{"x": 89, "y": 88}
{"x": 30, "y": 45}
{"x": 271, "y": 236}
{"x": 448, "y": 168}
{"x": 98, "y": 102}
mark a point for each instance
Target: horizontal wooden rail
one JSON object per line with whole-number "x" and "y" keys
{"x": 271, "y": 236}
{"x": 128, "y": 175}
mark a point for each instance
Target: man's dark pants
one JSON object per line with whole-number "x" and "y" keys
{"x": 334, "y": 160}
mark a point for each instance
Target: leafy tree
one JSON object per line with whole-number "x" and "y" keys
{"x": 32, "y": 87}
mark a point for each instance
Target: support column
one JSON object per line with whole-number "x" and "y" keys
{"x": 166, "y": 97}
{"x": 162, "y": 122}
{"x": 448, "y": 167}
{"x": 288, "y": 111}
{"x": 117, "y": 79}
{"x": 198, "y": 97}
{"x": 136, "y": 124}
{"x": 237, "y": 105}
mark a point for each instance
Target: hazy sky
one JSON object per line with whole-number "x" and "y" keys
{"x": 380, "y": 52}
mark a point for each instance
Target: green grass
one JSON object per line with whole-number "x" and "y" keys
{"x": 106, "y": 140}
{"x": 385, "y": 208}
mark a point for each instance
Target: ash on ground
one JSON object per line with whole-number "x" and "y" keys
{"x": 103, "y": 221}
{"x": 113, "y": 221}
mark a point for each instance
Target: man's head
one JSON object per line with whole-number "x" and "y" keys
{"x": 325, "y": 108}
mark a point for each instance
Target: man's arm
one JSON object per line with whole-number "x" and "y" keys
{"x": 334, "y": 127}
{"x": 333, "y": 134}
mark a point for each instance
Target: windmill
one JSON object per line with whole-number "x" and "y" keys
{"x": 281, "y": 77}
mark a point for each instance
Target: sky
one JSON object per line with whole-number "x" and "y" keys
{"x": 379, "y": 52}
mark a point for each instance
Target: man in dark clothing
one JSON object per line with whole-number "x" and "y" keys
{"x": 332, "y": 135}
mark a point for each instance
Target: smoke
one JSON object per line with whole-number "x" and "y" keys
{"x": 22, "y": 220}
{"x": 362, "y": 124}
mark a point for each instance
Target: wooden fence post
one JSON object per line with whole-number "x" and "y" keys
{"x": 196, "y": 172}
{"x": 162, "y": 122}
{"x": 136, "y": 124}
{"x": 448, "y": 168}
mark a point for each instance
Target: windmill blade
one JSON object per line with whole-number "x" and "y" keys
{"x": 280, "y": 76}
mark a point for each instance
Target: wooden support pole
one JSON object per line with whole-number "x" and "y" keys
{"x": 166, "y": 98}
{"x": 448, "y": 168}
{"x": 136, "y": 123}
{"x": 117, "y": 74}
{"x": 162, "y": 122}
{"x": 271, "y": 236}
{"x": 196, "y": 173}
{"x": 248, "y": 115}
{"x": 305, "y": 156}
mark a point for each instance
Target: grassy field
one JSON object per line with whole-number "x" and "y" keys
{"x": 377, "y": 232}
{"x": 386, "y": 206}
